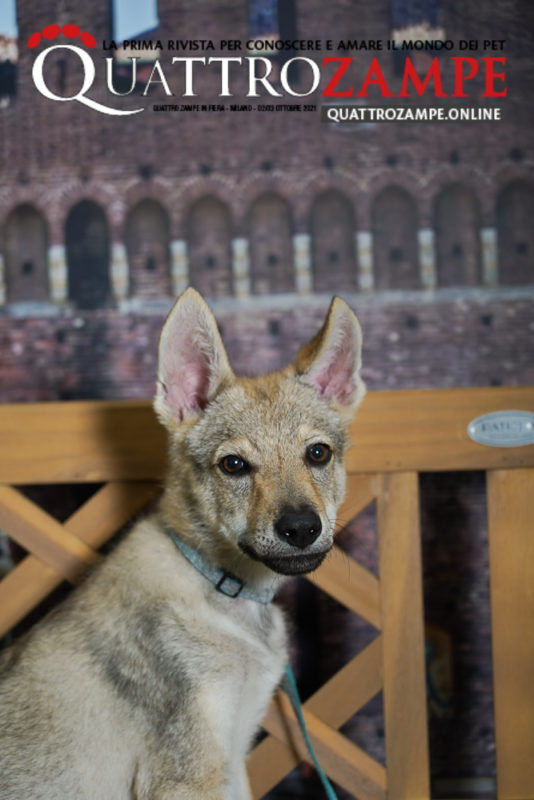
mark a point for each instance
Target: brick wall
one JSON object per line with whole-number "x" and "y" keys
{"x": 476, "y": 341}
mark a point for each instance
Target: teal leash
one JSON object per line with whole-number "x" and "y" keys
{"x": 231, "y": 586}
{"x": 289, "y": 685}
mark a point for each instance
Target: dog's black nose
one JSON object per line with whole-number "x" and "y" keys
{"x": 298, "y": 527}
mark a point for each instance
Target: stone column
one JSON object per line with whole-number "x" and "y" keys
{"x": 57, "y": 273}
{"x": 179, "y": 266}
{"x": 120, "y": 278}
{"x": 427, "y": 258}
{"x": 488, "y": 246}
{"x": 302, "y": 262}
{"x": 241, "y": 267}
{"x": 364, "y": 249}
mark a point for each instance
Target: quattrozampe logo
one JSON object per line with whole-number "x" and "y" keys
{"x": 179, "y": 76}
{"x": 72, "y": 32}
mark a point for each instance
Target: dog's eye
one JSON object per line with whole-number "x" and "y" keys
{"x": 319, "y": 454}
{"x": 233, "y": 465}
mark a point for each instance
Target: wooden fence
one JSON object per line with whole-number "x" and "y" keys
{"x": 396, "y": 436}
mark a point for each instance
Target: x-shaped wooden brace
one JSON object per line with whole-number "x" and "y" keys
{"x": 60, "y": 551}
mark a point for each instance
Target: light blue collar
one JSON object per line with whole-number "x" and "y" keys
{"x": 224, "y": 581}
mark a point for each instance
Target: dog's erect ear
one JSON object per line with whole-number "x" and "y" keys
{"x": 193, "y": 365}
{"x": 331, "y": 361}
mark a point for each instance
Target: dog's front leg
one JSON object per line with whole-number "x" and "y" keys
{"x": 240, "y": 789}
{"x": 188, "y": 792}
{"x": 226, "y": 784}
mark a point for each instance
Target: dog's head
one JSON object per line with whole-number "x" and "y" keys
{"x": 258, "y": 463}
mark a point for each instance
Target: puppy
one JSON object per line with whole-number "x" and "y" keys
{"x": 151, "y": 680}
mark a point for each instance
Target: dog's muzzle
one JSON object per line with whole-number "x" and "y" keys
{"x": 298, "y": 529}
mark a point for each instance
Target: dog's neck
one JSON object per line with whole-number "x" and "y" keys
{"x": 224, "y": 581}
{"x": 217, "y": 552}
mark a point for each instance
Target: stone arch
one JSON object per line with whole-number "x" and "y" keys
{"x": 457, "y": 237}
{"x": 63, "y": 197}
{"x": 270, "y": 231}
{"x": 256, "y": 185}
{"x": 473, "y": 178}
{"x": 383, "y": 178}
{"x": 26, "y": 239}
{"x": 209, "y": 239}
{"x": 88, "y": 254}
{"x": 309, "y": 187}
{"x": 148, "y": 247}
{"x": 161, "y": 192}
{"x": 193, "y": 190}
{"x": 515, "y": 233}
{"x": 333, "y": 243}
{"x": 395, "y": 249}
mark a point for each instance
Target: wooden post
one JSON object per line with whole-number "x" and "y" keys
{"x": 511, "y": 546}
{"x": 403, "y": 638}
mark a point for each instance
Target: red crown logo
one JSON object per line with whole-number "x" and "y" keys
{"x": 53, "y": 31}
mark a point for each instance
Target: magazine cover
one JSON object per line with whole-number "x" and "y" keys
{"x": 272, "y": 154}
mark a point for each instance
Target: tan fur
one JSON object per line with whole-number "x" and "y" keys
{"x": 148, "y": 683}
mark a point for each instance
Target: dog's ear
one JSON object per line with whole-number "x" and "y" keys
{"x": 193, "y": 366}
{"x": 331, "y": 361}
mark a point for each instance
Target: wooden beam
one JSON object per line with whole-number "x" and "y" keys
{"x": 23, "y": 589}
{"x": 511, "y": 544}
{"x": 426, "y": 430}
{"x": 109, "y": 509}
{"x": 394, "y": 431}
{"x": 361, "y": 490}
{"x": 345, "y": 763}
{"x": 403, "y": 638}
{"x": 268, "y": 764}
{"x": 349, "y": 689}
{"x": 343, "y": 578}
{"x": 42, "y": 535}
{"x": 81, "y": 441}
{"x": 94, "y": 523}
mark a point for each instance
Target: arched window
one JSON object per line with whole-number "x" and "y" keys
{"x": 26, "y": 261}
{"x": 87, "y": 240}
{"x": 515, "y": 233}
{"x": 210, "y": 247}
{"x": 271, "y": 246}
{"x": 333, "y": 243}
{"x": 395, "y": 250}
{"x": 263, "y": 19}
{"x": 456, "y": 225}
{"x": 147, "y": 243}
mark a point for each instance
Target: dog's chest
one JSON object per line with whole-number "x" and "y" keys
{"x": 251, "y": 642}
{"x": 247, "y": 666}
